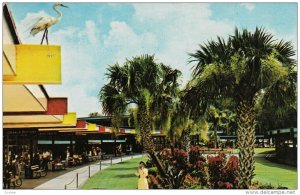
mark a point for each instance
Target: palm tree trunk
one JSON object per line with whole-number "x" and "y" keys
{"x": 186, "y": 140}
{"x": 115, "y": 144}
{"x": 145, "y": 125}
{"x": 216, "y": 138}
{"x": 246, "y": 140}
{"x": 172, "y": 141}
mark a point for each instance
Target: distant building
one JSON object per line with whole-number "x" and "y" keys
{"x": 285, "y": 144}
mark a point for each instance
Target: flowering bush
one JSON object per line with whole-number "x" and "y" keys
{"x": 222, "y": 174}
{"x": 154, "y": 184}
{"x": 195, "y": 154}
{"x": 193, "y": 170}
{"x": 210, "y": 144}
{"x": 178, "y": 160}
{"x": 197, "y": 165}
{"x": 191, "y": 182}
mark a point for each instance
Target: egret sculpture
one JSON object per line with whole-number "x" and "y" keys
{"x": 45, "y": 22}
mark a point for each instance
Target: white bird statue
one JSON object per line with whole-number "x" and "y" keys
{"x": 45, "y": 22}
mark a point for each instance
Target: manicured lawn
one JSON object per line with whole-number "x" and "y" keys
{"x": 276, "y": 174}
{"x": 264, "y": 150}
{"x": 118, "y": 176}
{"x": 122, "y": 175}
{"x": 258, "y": 150}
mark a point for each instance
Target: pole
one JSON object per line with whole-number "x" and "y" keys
{"x": 65, "y": 187}
{"x": 100, "y": 164}
{"x": 89, "y": 171}
{"x": 77, "y": 180}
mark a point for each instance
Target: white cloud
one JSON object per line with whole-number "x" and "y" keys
{"x": 248, "y": 6}
{"x": 171, "y": 33}
{"x": 171, "y": 11}
{"x": 181, "y": 28}
{"x": 91, "y": 32}
{"x": 62, "y": 36}
{"x": 125, "y": 43}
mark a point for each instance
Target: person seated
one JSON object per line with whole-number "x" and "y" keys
{"x": 57, "y": 163}
{"x": 94, "y": 152}
{"x": 75, "y": 156}
{"x": 57, "y": 160}
{"x": 75, "y": 159}
{"x": 70, "y": 161}
{"x": 80, "y": 159}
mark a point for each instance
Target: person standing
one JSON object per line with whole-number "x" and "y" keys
{"x": 45, "y": 161}
{"x": 142, "y": 173}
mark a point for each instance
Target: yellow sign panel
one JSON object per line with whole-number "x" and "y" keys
{"x": 36, "y": 64}
{"x": 92, "y": 127}
{"x": 70, "y": 118}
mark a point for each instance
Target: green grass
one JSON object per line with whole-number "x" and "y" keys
{"x": 122, "y": 175}
{"x": 276, "y": 174}
{"x": 264, "y": 150}
{"x": 118, "y": 176}
{"x": 258, "y": 150}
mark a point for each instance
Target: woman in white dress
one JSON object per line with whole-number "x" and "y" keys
{"x": 142, "y": 173}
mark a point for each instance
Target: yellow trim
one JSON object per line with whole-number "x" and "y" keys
{"x": 70, "y": 118}
{"x": 92, "y": 127}
{"x": 36, "y": 64}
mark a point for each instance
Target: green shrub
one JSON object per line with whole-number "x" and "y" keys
{"x": 282, "y": 187}
{"x": 266, "y": 186}
{"x": 153, "y": 171}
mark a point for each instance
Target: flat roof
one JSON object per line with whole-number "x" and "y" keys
{"x": 283, "y": 131}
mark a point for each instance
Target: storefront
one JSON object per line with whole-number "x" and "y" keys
{"x": 27, "y": 106}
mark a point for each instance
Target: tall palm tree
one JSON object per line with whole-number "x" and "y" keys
{"x": 150, "y": 86}
{"x": 214, "y": 116}
{"x": 245, "y": 66}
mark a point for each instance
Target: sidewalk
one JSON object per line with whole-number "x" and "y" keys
{"x": 69, "y": 180}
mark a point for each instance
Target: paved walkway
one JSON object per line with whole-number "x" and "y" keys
{"x": 69, "y": 180}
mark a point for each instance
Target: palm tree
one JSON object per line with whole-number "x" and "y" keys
{"x": 247, "y": 65}
{"x": 151, "y": 87}
{"x": 214, "y": 116}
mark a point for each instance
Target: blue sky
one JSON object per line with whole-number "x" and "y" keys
{"x": 94, "y": 35}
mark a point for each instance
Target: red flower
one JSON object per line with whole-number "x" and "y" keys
{"x": 228, "y": 185}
